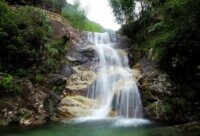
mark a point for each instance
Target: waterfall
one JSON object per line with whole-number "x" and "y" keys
{"x": 115, "y": 88}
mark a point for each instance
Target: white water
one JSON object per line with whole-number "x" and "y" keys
{"x": 115, "y": 88}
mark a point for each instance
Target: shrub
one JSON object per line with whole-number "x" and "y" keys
{"x": 8, "y": 84}
{"x": 39, "y": 78}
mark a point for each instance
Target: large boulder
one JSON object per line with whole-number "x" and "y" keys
{"x": 73, "y": 106}
{"x": 80, "y": 81}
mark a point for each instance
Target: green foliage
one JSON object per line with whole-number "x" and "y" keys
{"x": 20, "y": 2}
{"x": 7, "y": 84}
{"x": 26, "y": 41}
{"x": 21, "y": 72}
{"x": 181, "y": 102}
{"x": 123, "y": 10}
{"x": 171, "y": 28}
{"x": 27, "y": 48}
{"x": 167, "y": 107}
{"x": 161, "y": 23}
{"x": 39, "y": 78}
{"x": 56, "y": 50}
{"x": 92, "y": 26}
{"x": 156, "y": 27}
{"x": 51, "y": 5}
{"x": 22, "y": 36}
{"x": 77, "y": 16}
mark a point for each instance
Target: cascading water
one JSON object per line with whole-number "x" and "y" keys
{"x": 114, "y": 88}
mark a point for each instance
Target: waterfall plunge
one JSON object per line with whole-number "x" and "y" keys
{"x": 115, "y": 88}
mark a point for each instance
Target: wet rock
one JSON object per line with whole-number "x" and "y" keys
{"x": 122, "y": 42}
{"x": 79, "y": 55}
{"x": 66, "y": 71}
{"x": 190, "y": 126}
{"x": 89, "y": 51}
{"x": 73, "y": 106}
{"x": 27, "y": 88}
{"x": 155, "y": 86}
{"x": 51, "y": 102}
{"x": 58, "y": 79}
{"x": 76, "y": 57}
{"x": 80, "y": 80}
{"x": 34, "y": 105}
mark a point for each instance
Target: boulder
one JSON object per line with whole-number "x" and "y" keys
{"x": 58, "y": 79}
{"x": 80, "y": 80}
{"x": 73, "y": 106}
{"x": 66, "y": 71}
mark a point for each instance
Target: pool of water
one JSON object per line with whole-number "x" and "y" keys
{"x": 82, "y": 127}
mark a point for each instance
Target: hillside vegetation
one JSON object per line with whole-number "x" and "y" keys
{"x": 26, "y": 39}
{"x": 170, "y": 31}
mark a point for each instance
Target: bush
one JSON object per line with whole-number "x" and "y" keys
{"x": 8, "y": 84}
{"x": 26, "y": 41}
{"x": 39, "y": 78}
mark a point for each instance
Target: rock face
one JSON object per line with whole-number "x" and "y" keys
{"x": 123, "y": 42}
{"x": 73, "y": 106}
{"x": 80, "y": 80}
{"x": 58, "y": 79}
{"x": 74, "y": 102}
{"x": 155, "y": 86}
{"x": 32, "y": 106}
{"x": 79, "y": 76}
{"x": 61, "y": 27}
{"x": 36, "y": 103}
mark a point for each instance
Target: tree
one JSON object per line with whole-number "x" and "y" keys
{"x": 123, "y": 10}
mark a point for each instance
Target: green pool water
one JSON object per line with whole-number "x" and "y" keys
{"x": 106, "y": 127}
